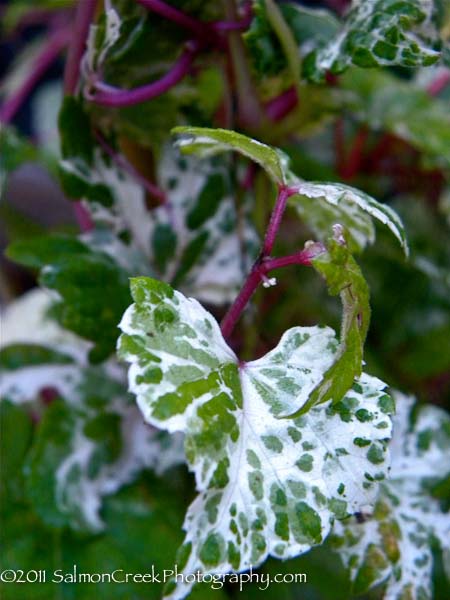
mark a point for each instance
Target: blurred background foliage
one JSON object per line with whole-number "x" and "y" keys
{"x": 383, "y": 130}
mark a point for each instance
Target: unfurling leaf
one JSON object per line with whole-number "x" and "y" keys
{"x": 343, "y": 277}
{"x": 267, "y": 486}
{"x": 394, "y": 544}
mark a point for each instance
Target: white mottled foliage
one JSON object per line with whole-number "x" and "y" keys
{"x": 379, "y": 33}
{"x": 394, "y": 544}
{"x": 350, "y": 206}
{"x": 76, "y": 468}
{"x": 267, "y": 485}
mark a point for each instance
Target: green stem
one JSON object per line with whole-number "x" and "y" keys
{"x": 287, "y": 41}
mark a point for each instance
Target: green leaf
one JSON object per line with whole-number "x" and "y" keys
{"x": 93, "y": 288}
{"x": 347, "y": 203}
{"x": 17, "y": 356}
{"x": 394, "y": 544}
{"x": 378, "y": 33}
{"x": 88, "y": 444}
{"x": 343, "y": 277}
{"x": 207, "y": 142}
{"x": 75, "y": 129}
{"x": 266, "y": 485}
{"x": 308, "y": 27}
{"x": 386, "y": 103}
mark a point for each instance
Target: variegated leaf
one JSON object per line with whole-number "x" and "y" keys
{"x": 378, "y": 33}
{"x": 350, "y": 207}
{"x": 394, "y": 544}
{"x": 200, "y": 240}
{"x": 267, "y": 485}
{"x": 91, "y": 439}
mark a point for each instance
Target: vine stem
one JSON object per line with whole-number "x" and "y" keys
{"x": 280, "y": 106}
{"x": 83, "y": 17}
{"x": 264, "y": 264}
{"x": 55, "y": 44}
{"x": 108, "y": 95}
{"x": 440, "y": 83}
{"x": 259, "y": 271}
{"x": 177, "y": 16}
{"x": 275, "y": 219}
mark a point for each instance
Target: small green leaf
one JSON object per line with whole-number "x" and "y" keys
{"x": 344, "y": 278}
{"x": 93, "y": 288}
{"x": 17, "y": 356}
{"x": 207, "y": 142}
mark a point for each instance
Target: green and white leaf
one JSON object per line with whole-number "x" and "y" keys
{"x": 267, "y": 486}
{"x": 378, "y": 33}
{"x": 204, "y": 142}
{"x": 394, "y": 545}
{"x": 319, "y": 202}
{"x": 200, "y": 240}
{"x": 102, "y": 36}
{"x": 91, "y": 440}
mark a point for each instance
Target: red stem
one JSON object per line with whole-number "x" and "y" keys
{"x": 279, "y": 107}
{"x": 275, "y": 219}
{"x": 440, "y": 83}
{"x": 259, "y": 271}
{"x": 176, "y": 15}
{"x": 83, "y": 217}
{"x": 264, "y": 264}
{"x": 108, "y": 95}
{"x": 56, "y": 42}
{"x": 352, "y": 163}
{"x": 83, "y": 18}
{"x": 151, "y": 188}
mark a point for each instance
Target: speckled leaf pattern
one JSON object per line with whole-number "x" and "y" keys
{"x": 267, "y": 485}
{"x": 378, "y": 33}
{"x": 201, "y": 240}
{"x": 91, "y": 439}
{"x": 393, "y": 545}
{"x": 348, "y": 204}
{"x": 89, "y": 443}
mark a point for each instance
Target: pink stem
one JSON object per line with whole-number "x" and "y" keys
{"x": 56, "y": 42}
{"x": 303, "y": 257}
{"x": 83, "y": 217}
{"x": 275, "y": 219}
{"x": 263, "y": 264}
{"x": 151, "y": 188}
{"x": 279, "y": 107}
{"x": 439, "y": 84}
{"x": 83, "y": 18}
{"x": 108, "y": 95}
{"x": 237, "y": 308}
{"x": 175, "y": 15}
{"x": 259, "y": 270}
